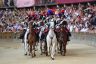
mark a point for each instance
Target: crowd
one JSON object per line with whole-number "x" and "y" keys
{"x": 80, "y": 18}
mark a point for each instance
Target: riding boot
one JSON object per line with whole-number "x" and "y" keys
{"x": 68, "y": 36}
{"x": 68, "y": 39}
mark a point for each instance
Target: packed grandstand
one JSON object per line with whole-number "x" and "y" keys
{"x": 81, "y": 16}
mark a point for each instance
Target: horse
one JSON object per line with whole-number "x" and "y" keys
{"x": 31, "y": 41}
{"x": 42, "y": 39}
{"x": 51, "y": 41}
{"x": 62, "y": 38}
{"x": 25, "y": 41}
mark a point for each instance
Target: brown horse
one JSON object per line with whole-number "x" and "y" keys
{"x": 63, "y": 40}
{"x": 31, "y": 40}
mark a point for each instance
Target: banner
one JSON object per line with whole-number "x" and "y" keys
{"x": 24, "y": 3}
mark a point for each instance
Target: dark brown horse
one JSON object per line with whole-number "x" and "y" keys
{"x": 31, "y": 40}
{"x": 63, "y": 40}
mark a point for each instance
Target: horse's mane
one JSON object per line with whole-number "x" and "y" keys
{"x": 31, "y": 28}
{"x": 63, "y": 30}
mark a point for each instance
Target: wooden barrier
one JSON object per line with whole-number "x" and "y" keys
{"x": 9, "y": 35}
{"x": 88, "y": 38}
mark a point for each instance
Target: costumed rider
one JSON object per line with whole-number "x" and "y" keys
{"x": 65, "y": 24}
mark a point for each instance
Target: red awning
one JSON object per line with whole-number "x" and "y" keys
{"x": 72, "y": 1}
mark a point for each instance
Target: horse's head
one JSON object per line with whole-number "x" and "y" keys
{"x": 63, "y": 28}
{"x": 52, "y": 24}
{"x": 31, "y": 26}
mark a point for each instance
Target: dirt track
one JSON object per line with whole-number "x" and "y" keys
{"x": 11, "y": 52}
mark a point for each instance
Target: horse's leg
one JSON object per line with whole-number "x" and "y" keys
{"x": 36, "y": 44}
{"x": 48, "y": 49}
{"x": 22, "y": 40}
{"x": 34, "y": 50}
{"x": 25, "y": 44}
{"x": 53, "y": 50}
{"x": 25, "y": 48}
{"x": 48, "y": 45}
{"x": 31, "y": 50}
{"x": 41, "y": 47}
{"x": 45, "y": 48}
{"x": 61, "y": 48}
{"x": 54, "y": 45}
{"x": 64, "y": 48}
{"x": 58, "y": 47}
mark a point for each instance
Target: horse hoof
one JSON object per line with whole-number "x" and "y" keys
{"x": 32, "y": 56}
{"x": 35, "y": 55}
{"x": 46, "y": 54}
{"x": 52, "y": 58}
{"x": 58, "y": 52}
{"x": 63, "y": 54}
{"x": 41, "y": 54}
{"x": 29, "y": 54}
{"x": 25, "y": 54}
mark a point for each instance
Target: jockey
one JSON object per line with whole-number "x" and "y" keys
{"x": 68, "y": 32}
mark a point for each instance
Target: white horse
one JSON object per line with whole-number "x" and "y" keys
{"x": 51, "y": 41}
{"x": 25, "y": 42}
